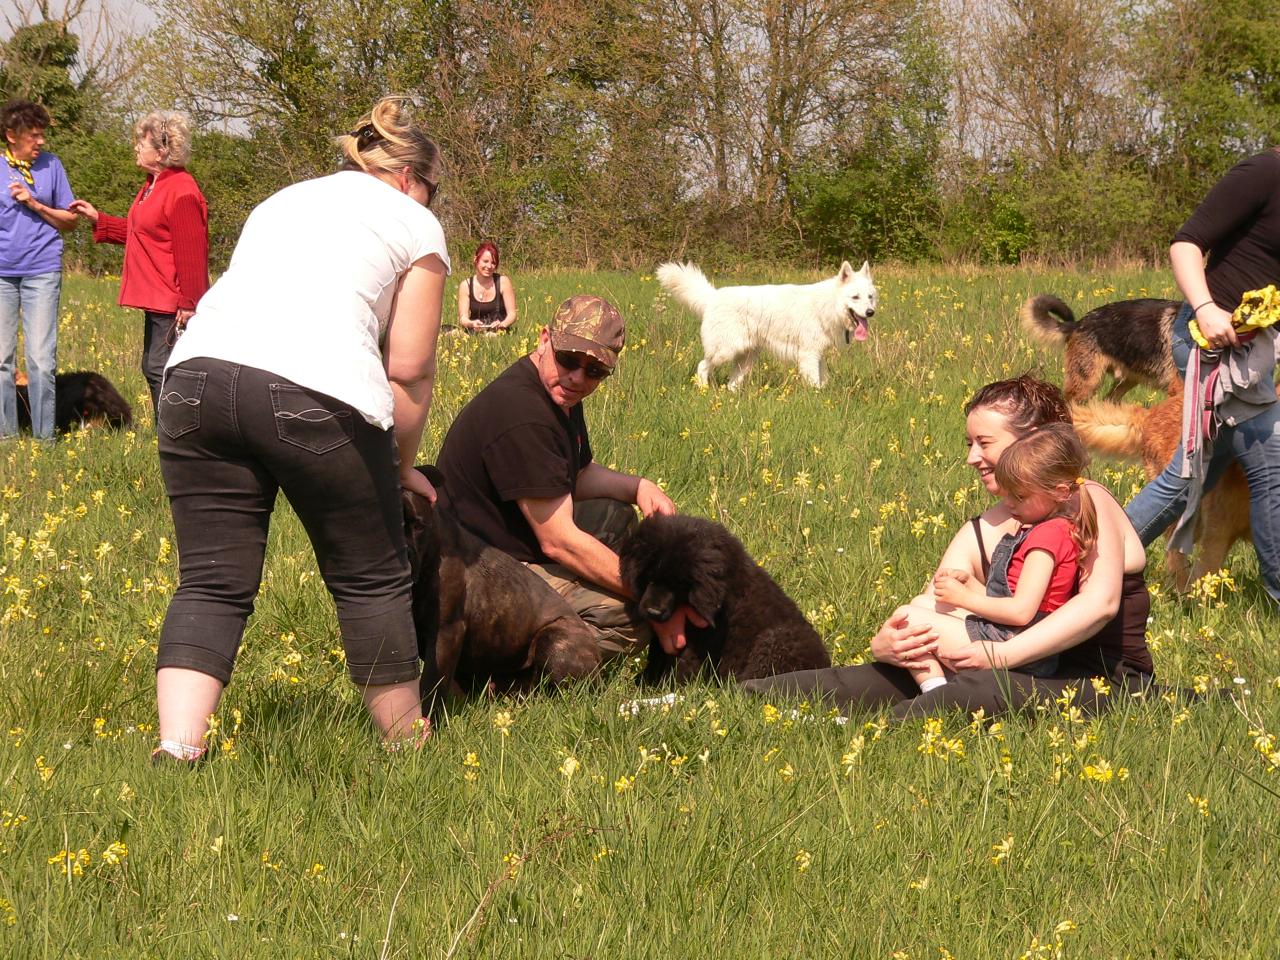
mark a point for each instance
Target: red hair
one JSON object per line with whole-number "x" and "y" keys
{"x": 487, "y": 247}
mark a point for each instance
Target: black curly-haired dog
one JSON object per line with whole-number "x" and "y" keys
{"x": 80, "y": 398}
{"x": 753, "y": 628}
{"x": 482, "y": 616}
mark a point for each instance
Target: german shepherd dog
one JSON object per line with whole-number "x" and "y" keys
{"x": 81, "y": 398}
{"x": 1129, "y": 339}
{"x": 1150, "y": 434}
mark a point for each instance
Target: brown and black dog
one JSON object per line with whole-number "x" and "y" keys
{"x": 1150, "y": 434}
{"x": 81, "y": 398}
{"x": 1129, "y": 339}
{"x": 483, "y": 617}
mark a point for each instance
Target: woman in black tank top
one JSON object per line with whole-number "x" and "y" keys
{"x": 487, "y": 299}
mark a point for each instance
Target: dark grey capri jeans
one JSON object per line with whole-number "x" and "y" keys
{"x": 231, "y": 437}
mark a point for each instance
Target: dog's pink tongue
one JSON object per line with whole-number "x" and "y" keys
{"x": 860, "y": 331}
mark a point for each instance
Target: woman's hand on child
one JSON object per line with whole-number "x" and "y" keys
{"x": 969, "y": 656}
{"x": 902, "y": 643}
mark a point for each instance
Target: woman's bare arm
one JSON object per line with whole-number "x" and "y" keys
{"x": 1082, "y": 616}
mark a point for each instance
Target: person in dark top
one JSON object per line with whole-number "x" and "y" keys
{"x": 487, "y": 299}
{"x": 1238, "y": 226}
{"x": 1099, "y": 632}
{"x": 520, "y": 475}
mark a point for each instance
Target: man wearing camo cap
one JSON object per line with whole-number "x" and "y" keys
{"x": 519, "y": 472}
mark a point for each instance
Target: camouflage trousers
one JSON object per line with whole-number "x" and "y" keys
{"x": 618, "y": 629}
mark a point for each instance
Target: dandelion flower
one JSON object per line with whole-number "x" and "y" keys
{"x": 1000, "y": 851}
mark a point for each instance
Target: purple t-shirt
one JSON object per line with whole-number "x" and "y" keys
{"x": 28, "y": 245}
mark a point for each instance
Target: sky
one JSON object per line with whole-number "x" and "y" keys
{"x": 132, "y": 16}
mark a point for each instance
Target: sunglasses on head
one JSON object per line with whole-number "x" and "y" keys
{"x": 571, "y": 361}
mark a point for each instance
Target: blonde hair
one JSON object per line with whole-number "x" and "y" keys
{"x": 1043, "y": 460}
{"x": 386, "y": 140}
{"x": 168, "y": 130}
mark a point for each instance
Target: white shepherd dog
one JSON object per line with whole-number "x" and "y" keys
{"x": 794, "y": 322}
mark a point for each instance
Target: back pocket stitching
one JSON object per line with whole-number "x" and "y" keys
{"x": 172, "y": 399}
{"x": 341, "y": 417}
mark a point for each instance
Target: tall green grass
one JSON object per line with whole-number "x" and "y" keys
{"x": 567, "y": 825}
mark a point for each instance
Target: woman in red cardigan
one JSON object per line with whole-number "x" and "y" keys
{"x": 165, "y": 237}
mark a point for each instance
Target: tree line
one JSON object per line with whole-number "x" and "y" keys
{"x": 620, "y": 132}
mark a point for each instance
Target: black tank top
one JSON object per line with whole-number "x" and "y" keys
{"x": 487, "y": 311}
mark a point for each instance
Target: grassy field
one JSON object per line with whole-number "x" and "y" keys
{"x": 568, "y": 826}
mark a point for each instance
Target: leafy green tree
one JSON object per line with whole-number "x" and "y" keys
{"x": 36, "y": 64}
{"x": 1211, "y": 74}
{"x": 875, "y": 193}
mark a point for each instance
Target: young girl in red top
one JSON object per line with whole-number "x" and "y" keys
{"x": 1033, "y": 571}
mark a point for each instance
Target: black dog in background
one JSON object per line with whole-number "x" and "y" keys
{"x": 482, "y": 616}
{"x": 753, "y": 628}
{"x": 80, "y": 398}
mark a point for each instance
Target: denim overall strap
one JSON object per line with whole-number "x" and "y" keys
{"x": 998, "y": 582}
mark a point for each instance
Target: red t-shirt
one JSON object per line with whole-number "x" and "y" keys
{"x": 1053, "y": 536}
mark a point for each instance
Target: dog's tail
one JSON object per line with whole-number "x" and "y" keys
{"x": 687, "y": 284}
{"x": 102, "y": 399}
{"x": 1047, "y": 319}
{"x": 1111, "y": 428}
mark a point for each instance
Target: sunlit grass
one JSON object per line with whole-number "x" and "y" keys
{"x": 564, "y": 826}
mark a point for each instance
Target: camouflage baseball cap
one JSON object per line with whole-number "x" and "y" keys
{"x": 590, "y": 325}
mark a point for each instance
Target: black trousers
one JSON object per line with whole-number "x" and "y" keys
{"x": 230, "y": 437}
{"x": 158, "y": 335}
{"x": 875, "y": 686}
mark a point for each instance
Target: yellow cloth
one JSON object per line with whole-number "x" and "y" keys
{"x": 22, "y": 166}
{"x": 1258, "y": 309}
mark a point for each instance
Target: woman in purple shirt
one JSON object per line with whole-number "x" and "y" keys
{"x": 33, "y": 217}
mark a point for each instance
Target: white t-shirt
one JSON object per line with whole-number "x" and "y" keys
{"x": 308, "y": 293}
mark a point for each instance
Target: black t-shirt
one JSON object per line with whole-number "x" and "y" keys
{"x": 1238, "y": 225}
{"x": 511, "y": 441}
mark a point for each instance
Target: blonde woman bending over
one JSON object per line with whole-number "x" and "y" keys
{"x": 307, "y": 369}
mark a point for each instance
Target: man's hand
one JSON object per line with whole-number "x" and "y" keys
{"x": 650, "y": 499}
{"x": 19, "y": 192}
{"x": 671, "y": 633}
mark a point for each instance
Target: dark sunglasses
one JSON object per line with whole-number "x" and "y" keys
{"x": 432, "y": 190}
{"x": 571, "y": 361}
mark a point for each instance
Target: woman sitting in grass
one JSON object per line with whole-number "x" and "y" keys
{"x": 1032, "y": 572}
{"x": 1099, "y": 632}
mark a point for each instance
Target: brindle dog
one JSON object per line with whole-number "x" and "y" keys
{"x": 481, "y": 616}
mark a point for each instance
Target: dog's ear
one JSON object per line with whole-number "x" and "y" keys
{"x": 865, "y": 269}
{"x": 417, "y": 510}
{"x": 707, "y": 598}
{"x": 846, "y": 272}
{"x": 432, "y": 473}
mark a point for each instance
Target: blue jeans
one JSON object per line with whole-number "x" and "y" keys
{"x": 35, "y": 298}
{"x": 1255, "y": 444}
